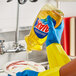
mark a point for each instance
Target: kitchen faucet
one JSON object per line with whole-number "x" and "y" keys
{"x": 22, "y": 1}
{"x": 17, "y": 47}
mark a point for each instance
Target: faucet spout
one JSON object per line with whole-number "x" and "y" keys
{"x": 14, "y": 51}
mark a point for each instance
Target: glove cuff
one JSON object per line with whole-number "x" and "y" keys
{"x": 51, "y": 72}
{"x": 56, "y": 55}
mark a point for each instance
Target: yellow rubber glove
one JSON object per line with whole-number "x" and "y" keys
{"x": 50, "y": 72}
{"x": 56, "y": 58}
{"x": 56, "y": 55}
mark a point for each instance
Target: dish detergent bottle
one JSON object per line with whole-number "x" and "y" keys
{"x": 39, "y": 31}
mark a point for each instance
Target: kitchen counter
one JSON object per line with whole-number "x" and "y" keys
{"x": 3, "y": 74}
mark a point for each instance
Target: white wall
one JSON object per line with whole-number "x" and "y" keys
{"x": 69, "y": 8}
{"x": 28, "y": 12}
{"x": 8, "y": 14}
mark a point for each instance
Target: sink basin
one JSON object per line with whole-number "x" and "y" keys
{"x": 33, "y": 56}
{"x": 36, "y": 56}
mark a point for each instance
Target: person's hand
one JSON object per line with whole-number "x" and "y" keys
{"x": 54, "y": 34}
{"x": 27, "y": 73}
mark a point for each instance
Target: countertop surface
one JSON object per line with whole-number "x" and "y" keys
{"x": 3, "y": 74}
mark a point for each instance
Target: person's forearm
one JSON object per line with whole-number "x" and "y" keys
{"x": 69, "y": 69}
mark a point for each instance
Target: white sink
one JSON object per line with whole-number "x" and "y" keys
{"x": 36, "y": 56}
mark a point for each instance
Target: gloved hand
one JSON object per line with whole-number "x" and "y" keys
{"x": 50, "y": 72}
{"x": 55, "y": 53}
{"x": 27, "y": 73}
{"x": 54, "y": 34}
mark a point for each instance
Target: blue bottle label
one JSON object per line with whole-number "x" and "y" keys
{"x": 41, "y": 27}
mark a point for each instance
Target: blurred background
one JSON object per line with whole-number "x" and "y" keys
{"x": 17, "y": 19}
{"x": 28, "y": 12}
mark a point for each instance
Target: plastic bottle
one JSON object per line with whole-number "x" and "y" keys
{"x": 39, "y": 31}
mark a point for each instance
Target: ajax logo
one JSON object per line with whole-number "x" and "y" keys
{"x": 41, "y": 29}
